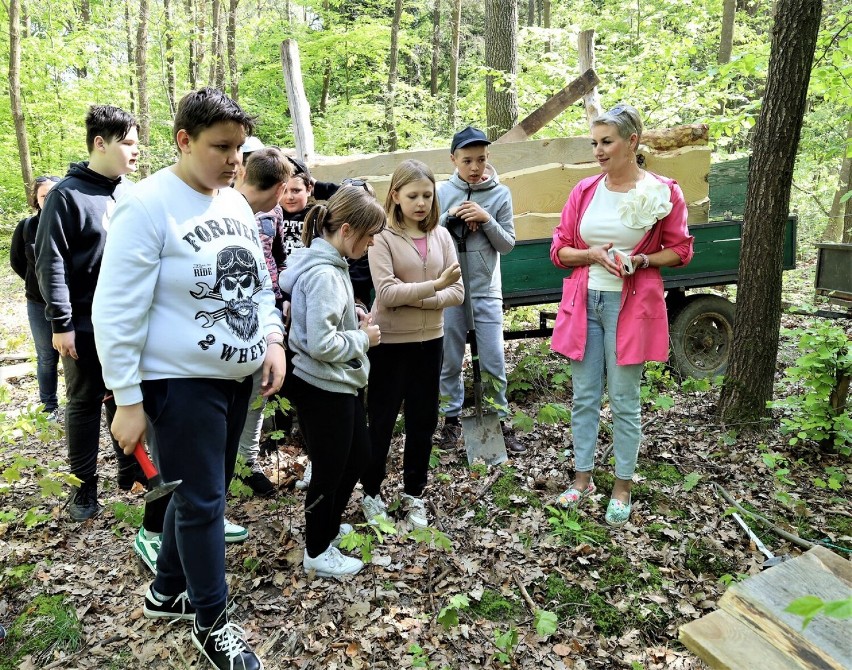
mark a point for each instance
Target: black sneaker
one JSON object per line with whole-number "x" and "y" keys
{"x": 176, "y": 607}
{"x": 225, "y": 647}
{"x": 513, "y": 444}
{"x": 259, "y": 483}
{"x": 84, "y": 505}
{"x": 450, "y": 434}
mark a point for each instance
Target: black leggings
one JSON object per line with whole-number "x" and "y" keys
{"x": 408, "y": 372}
{"x": 335, "y": 429}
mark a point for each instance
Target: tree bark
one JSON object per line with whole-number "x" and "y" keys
{"x": 144, "y": 114}
{"x": 393, "y": 73}
{"x": 530, "y": 13}
{"x": 548, "y": 45}
{"x": 217, "y": 60}
{"x": 436, "y": 47}
{"x": 839, "y": 227}
{"x": 85, "y": 14}
{"x": 131, "y": 57}
{"x": 501, "y": 61}
{"x": 754, "y": 351}
{"x": 586, "y": 57}
{"x": 233, "y": 70}
{"x": 171, "y": 73}
{"x": 15, "y": 93}
{"x": 726, "y": 41}
{"x": 454, "y": 65}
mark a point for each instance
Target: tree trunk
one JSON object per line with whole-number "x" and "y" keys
{"x": 85, "y": 21}
{"x": 548, "y": 45}
{"x": 144, "y": 115}
{"x": 501, "y": 61}
{"x": 131, "y": 57}
{"x": 454, "y": 65}
{"x": 530, "y": 13}
{"x": 217, "y": 61}
{"x": 726, "y": 41}
{"x": 754, "y": 351}
{"x": 15, "y": 93}
{"x": 840, "y": 212}
{"x": 436, "y": 47}
{"x": 393, "y": 71}
{"x": 171, "y": 74}
{"x": 233, "y": 71}
{"x": 586, "y": 57}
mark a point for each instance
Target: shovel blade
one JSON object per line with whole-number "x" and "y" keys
{"x": 483, "y": 439}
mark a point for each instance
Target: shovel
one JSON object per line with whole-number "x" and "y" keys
{"x": 483, "y": 437}
{"x": 771, "y": 559}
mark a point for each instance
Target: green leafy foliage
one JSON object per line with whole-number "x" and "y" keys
{"x": 691, "y": 481}
{"x": 448, "y": 617}
{"x": 810, "y": 414}
{"x": 545, "y": 623}
{"x": 809, "y": 607}
{"x": 49, "y": 624}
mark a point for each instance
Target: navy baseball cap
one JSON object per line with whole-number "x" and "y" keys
{"x": 468, "y": 136}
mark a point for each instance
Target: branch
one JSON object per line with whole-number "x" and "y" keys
{"x": 813, "y": 197}
{"x": 795, "y": 539}
{"x": 831, "y": 43}
{"x": 524, "y": 593}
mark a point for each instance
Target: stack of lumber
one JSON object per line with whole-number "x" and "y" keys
{"x": 541, "y": 173}
{"x": 751, "y": 630}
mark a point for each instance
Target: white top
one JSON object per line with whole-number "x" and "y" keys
{"x": 183, "y": 291}
{"x": 602, "y": 224}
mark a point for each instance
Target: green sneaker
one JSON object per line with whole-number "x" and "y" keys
{"x": 235, "y": 533}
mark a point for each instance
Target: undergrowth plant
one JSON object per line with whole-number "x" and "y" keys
{"x": 819, "y": 413}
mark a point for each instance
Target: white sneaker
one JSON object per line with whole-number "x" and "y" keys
{"x": 345, "y": 529}
{"x": 374, "y": 507}
{"x": 305, "y": 481}
{"x": 235, "y": 533}
{"x": 147, "y": 548}
{"x": 331, "y": 563}
{"x": 416, "y": 508}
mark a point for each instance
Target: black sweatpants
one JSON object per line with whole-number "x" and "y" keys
{"x": 335, "y": 429}
{"x": 408, "y": 372}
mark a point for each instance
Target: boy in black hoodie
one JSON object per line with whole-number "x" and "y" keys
{"x": 69, "y": 245}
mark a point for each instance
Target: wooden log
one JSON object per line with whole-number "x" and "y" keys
{"x": 668, "y": 139}
{"x": 16, "y": 371}
{"x": 300, "y": 111}
{"x": 586, "y": 57}
{"x": 552, "y": 108}
{"x": 760, "y": 601}
{"x": 723, "y": 643}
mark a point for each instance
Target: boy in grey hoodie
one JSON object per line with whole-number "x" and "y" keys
{"x": 474, "y": 197}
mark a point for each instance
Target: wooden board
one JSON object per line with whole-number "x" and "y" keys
{"x": 729, "y": 183}
{"x": 505, "y": 156}
{"x": 545, "y": 187}
{"x": 760, "y": 602}
{"x": 756, "y": 607}
{"x": 731, "y": 646}
{"x": 16, "y": 371}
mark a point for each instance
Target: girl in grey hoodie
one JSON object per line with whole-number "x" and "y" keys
{"x": 330, "y": 363}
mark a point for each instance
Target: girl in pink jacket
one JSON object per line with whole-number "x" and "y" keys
{"x": 618, "y": 229}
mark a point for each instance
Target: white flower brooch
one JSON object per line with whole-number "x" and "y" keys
{"x": 646, "y": 204}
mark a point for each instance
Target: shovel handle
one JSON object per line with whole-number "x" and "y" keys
{"x": 144, "y": 461}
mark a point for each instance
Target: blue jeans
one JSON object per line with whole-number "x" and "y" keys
{"x": 488, "y": 319}
{"x": 622, "y": 382}
{"x": 47, "y": 358}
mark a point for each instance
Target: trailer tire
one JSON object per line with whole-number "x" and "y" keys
{"x": 701, "y": 336}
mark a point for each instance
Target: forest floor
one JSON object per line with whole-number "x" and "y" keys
{"x": 619, "y": 595}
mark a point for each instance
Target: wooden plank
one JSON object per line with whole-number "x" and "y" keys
{"x": 505, "y": 156}
{"x": 586, "y": 60}
{"x": 723, "y": 643}
{"x": 300, "y": 111}
{"x": 552, "y": 108}
{"x": 760, "y": 602}
{"x": 16, "y": 371}
{"x": 545, "y": 188}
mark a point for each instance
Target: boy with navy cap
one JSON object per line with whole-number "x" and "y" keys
{"x": 475, "y": 196}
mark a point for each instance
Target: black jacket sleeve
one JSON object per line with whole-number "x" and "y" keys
{"x": 17, "y": 250}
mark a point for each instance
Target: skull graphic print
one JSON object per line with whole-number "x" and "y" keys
{"x": 237, "y": 282}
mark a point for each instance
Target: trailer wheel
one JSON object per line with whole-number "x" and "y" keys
{"x": 701, "y": 336}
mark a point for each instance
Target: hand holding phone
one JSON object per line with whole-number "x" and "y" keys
{"x": 622, "y": 260}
